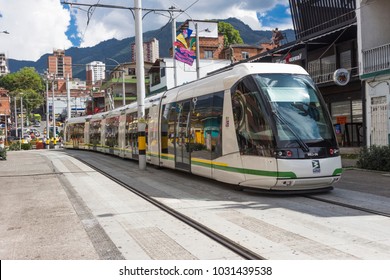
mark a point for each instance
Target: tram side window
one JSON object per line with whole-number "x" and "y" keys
{"x": 78, "y": 132}
{"x": 70, "y": 132}
{"x": 94, "y": 132}
{"x": 168, "y": 128}
{"x": 254, "y": 134}
{"x": 202, "y": 127}
{"x": 217, "y": 113}
{"x": 131, "y": 131}
{"x": 112, "y": 128}
{"x": 206, "y": 130}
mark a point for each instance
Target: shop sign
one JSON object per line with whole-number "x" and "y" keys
{"x": 341, "y": 119}
{"x": 290, "y": 58}
{"x": 341, "y": 77}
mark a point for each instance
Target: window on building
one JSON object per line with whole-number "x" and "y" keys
{"x": 131, "y": 71}
{"x": 208, "y": 54}
{"x": 244, "y": 55}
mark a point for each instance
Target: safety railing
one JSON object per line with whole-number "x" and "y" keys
{"x": 376, "y": 59}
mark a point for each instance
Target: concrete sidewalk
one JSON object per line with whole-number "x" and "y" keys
{"x": 37, "y": 219}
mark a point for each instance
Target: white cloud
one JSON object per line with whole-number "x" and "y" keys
{"x": 120, "y": 23}
{"x": 37, "y": 27}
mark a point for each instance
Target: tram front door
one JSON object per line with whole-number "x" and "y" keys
{"x": 182, "y": 136}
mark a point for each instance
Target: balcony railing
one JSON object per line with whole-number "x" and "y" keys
{"x": 376, "y": 59}
{"x": 327, "y": 75}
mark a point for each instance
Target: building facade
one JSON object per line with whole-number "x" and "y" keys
{"x": 60, "y": 65}
{"x": 3, "y": 65}
{"x": 374, "y": 57}
{"x": 161, "y": 75}
{"x": 123, "y": 79}
{"x": 5, "y": 107}
{"x": 210, "y": 42}
{"x": 151, "y": 51}
{"x": 95, "y": 71}
{"x": 238, "y": 52}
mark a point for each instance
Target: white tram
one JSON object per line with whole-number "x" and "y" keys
{"x": 254, "y": 125}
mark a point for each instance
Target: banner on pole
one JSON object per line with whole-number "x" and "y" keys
{"x": 182, "y": 51}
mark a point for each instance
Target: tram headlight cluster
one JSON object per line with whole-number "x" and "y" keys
{"x": 334, "y": 151}
{"x": 284, "y": 153}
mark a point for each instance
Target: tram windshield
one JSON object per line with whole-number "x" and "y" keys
{"x": 300, "y": 115}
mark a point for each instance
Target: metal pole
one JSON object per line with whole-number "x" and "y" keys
{"x": 53, "y": 113}
{"x": 123, "y": 87}
{"x": 6, "y": 126}
{"x": 140, "y": 71}
{"x": 173, "y": 51}
{"x": 21, "y": 125}
{"x": 47, "y": 109}
{"x": 68, "y": 97}
{"x": 27, "y": 115}
{"x": 16, "y": 119}
{"x": 197, "y": 52}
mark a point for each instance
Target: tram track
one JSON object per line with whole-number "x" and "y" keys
{"x": 217, "y": 237}
{"x": 345, "y": 205}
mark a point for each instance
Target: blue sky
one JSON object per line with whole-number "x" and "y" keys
{"x": 71, "y": 32}
{"x": 52, "y": 25}
{"x": 279, "y": 15}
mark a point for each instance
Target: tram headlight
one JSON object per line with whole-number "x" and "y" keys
{"x": 334, "y": 151}
{"x": 284, "y": 153}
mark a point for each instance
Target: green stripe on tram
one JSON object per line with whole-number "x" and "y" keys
{"x": 337, "y": 171}
{"x": 225, "y": 167}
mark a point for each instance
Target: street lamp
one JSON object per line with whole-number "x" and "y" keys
{"x": 47, "y": 105}
{"x": 123, "y": 81}
{"x": 53, "y": 113}
{"x": 16, "y": 118}
{"x": 21, "y": 122}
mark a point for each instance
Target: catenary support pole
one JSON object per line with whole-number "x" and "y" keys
{"x": 16, "y": 118}
{"x": 140, "y": 71}
{"x": 47, "y": 112}
{"x": 197, "y": 52}
{"x": 123, "y": 87}
{"x": 68, "y": 97}
{"x": 21, "y": 122}
{"x": 53, "y": 113}
{"x": 173, "y": 51}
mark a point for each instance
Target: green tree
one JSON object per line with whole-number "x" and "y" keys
{"x": 231, "y": 35}
{"x": 27, "y": 83}
{"x": 25, "y": 79}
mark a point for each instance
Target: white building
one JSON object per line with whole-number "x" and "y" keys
{"x": 77, "y": 104}
{"x": 78, "y": 97}
{"x": 374, "y": 70}
{"x": 3, "y": 65}
{"x": 162, "y": 73}
{"x": 95, "y": 71}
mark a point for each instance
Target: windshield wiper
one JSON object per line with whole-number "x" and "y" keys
{"x": 299, "y": 140}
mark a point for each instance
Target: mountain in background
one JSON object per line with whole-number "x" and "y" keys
{"x": 120, "y": 49}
